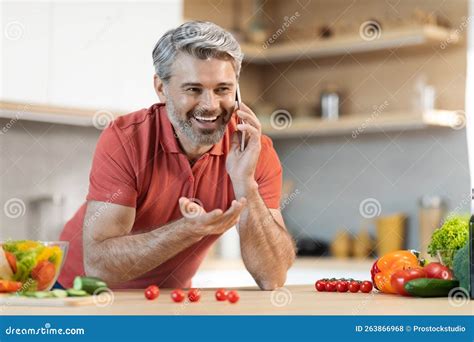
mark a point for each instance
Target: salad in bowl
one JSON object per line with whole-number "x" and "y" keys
{"x": 28, "y": 265}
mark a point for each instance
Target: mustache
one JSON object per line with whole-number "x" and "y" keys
{"x": 207, "y": 113}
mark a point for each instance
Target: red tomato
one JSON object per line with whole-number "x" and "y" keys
{"x": 11, "y": 261}
{"x": 373, "y": 272}
{"x": 400, "y": 278}
{"x": 342, "y": 286}
{"x": 177, "y": 295}
{"x": 437, "y": 270}
{"x": 221, "y": 295}
{"x": 320, "y": 285}
{"x": 194, "y": 295}
{"x": 330, "y": 286}
{"x": 354, "y": 286}
{"x": 44, "y": 272}
{"x": 152, "y": 292}
{"x": 233, "y": 296}
{"x": 9, "y": 286}
{"x": 366, "y": 286}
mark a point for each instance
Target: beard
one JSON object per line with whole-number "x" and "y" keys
{"x": 199, "y": 136}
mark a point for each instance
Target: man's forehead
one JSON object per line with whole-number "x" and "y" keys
{"x": 189, "y": 69}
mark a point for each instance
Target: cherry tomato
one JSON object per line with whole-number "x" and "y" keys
{"x": 233, "y": 296}
{"x": 331, "y": 286}
{"x": 437, "y": 270}
{"x": 342, "y": 286}
{"x": 11, "y": 261}
{"x": 400, "y": 278}
{"x": 194, "y": 295}
{"x": 221, "y": 295}
{"x": 366, "y": 286}
{"x": 152, "y": 292}
{"x": 44, "y": 272}
{"x": 9, "y": 286}
{"x": 354, "y": 286}
{"x": 177, "y": 295}
{"x": 320, "y": 285}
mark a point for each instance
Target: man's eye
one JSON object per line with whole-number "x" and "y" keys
{"x": 222, "y": 90}
{"x": 193, "y": 90}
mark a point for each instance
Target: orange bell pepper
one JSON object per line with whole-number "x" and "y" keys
{"x": 390, "y": 263}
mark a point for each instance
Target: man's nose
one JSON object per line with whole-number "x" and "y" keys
{"x": 210, "y": 101}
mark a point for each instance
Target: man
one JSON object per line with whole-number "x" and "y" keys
{"x": 167, "y": 181}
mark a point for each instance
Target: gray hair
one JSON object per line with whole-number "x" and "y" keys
{"x": 200, "y": 39}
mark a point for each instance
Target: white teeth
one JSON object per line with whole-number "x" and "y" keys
{"x": 206, "y": 119}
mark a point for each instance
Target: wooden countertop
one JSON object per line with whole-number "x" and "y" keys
{"x": 292, "y": 300}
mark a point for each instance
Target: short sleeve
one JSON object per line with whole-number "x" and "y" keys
{"x": 112, "y": 178}
{"x": 269, "y": 175}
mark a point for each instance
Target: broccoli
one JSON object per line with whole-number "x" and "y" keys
{"x": 461, "y": 266}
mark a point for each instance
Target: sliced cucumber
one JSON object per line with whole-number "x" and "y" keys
{"x": 91, "y": 285}
{"x": 58, "y": 293}
{"x": 38, "y": 294}
{"x": 76, "y": 293}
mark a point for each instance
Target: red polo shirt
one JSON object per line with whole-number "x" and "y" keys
{"x": 138, "y": 163}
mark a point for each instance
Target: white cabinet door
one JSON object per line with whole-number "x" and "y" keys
{"x": 25, "y": 51}
{"x": 85, "y": 54}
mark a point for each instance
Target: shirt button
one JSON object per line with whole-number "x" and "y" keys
{"x": 190, "y": 178}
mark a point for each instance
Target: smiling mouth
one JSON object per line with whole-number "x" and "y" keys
{"x": 209, "y": 119}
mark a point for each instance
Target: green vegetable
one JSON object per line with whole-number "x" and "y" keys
{"x": 38, "y": 294}
{"x": 451, "y": 237}
{"x": 461, "y": 266}
{"x": 76, "y": 293}
{"x": 58, "y": 293}
{"x": 91, "y": 285}
{"x": 430, "y": 287}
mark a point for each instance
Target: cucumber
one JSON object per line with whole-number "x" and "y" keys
{"x": 430, "y": 287}
{"x": 91, "y": 285}
{"x": 76, "y": 293}
{"x": 57, "y": 293}
{"x": 38, "y": 294}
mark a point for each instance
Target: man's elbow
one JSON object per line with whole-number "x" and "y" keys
{"x": 273, "y": 282}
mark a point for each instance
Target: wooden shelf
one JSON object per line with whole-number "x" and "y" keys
{"x": 360, "y": 124}
{"x": 53, "y": 114}
{"x": 406, "y": 37}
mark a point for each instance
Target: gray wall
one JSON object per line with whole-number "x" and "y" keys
{"x": 334, "y": 175}
{"x": 42, "y": 159}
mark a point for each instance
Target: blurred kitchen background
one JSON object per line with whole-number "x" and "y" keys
{"x": 364, "y": 101}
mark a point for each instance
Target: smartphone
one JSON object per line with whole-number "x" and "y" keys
{"x": 238, "y": 100}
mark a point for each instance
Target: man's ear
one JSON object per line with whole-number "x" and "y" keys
{"x": 159, "y": 88}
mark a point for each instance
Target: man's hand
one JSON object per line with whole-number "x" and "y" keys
{"x": 241, "y": 165}
{"x": 214, "y": 222}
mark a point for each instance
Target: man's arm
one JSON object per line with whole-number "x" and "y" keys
{"x": 113, "y": 253}
{"x": 268, "y": 250}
